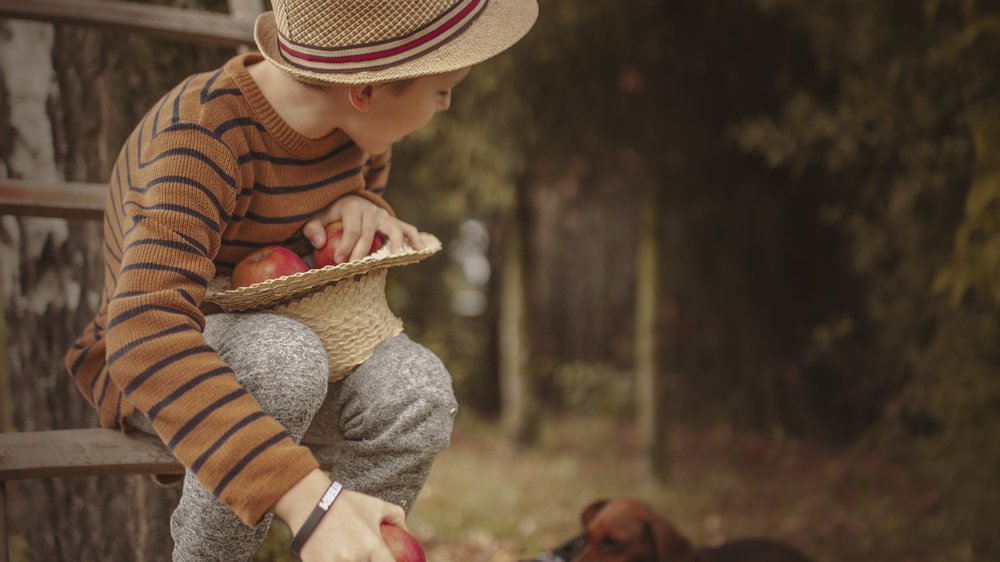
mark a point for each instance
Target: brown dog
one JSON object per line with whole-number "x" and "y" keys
{"x": 627, "y": 530}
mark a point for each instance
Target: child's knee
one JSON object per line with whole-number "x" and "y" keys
{"x": 277, "y": 359}
{"x": 419, "y": 421}
{"x": 403, "y": 386}
{"x": 288, "y": 346}
{"x": 411, "y": 372}
{"x": 422, "y": 368}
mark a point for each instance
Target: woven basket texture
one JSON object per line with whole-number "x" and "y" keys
{"x": 351, "y": 318}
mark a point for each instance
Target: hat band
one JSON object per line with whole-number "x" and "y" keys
{"x": 372, "y": 56}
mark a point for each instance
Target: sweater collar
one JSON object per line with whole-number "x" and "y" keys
{"x": 289, "y": 138}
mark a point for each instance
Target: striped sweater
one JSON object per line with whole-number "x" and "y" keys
{"x": 211, "y": 174}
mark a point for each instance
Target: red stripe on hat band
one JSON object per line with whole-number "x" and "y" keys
{"x": 389, "y": 52}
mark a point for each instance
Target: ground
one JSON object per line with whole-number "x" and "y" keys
{"x": 487, "y": 501}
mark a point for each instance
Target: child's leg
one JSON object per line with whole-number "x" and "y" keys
{"x": 283, "y": 365}
{"x": 394, "y": 413}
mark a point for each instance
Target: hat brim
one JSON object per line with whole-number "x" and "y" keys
{"x": 501, "y": 24}
{"x": 274, "y": 291}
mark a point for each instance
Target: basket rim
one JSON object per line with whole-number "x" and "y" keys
{"x": 280, "y": 289}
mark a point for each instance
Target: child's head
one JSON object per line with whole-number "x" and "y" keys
{"x": 392, "y": 110}
{"x": 352, "y": 42}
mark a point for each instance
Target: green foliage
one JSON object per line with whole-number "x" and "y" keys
{"x": 975, "y": 262}
{"x": 826, "y": 177}
{"x": 904, "y": 125}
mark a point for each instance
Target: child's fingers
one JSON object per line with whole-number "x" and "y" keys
{"x": 413, "y": 236}
{"x": 363, "y": 245}
{"x": 315, "y": 229}
{"x": 360, "y": 226}
{"x": 352, "y": 231}
{"x": 315, "y": 232}
{"x": 399, "y": 234}
{"x": 396, "y": 516}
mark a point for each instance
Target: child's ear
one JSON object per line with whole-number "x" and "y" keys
{"x": 361, "y": 97}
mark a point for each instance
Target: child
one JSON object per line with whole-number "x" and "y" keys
{"x": 268, "y": 150}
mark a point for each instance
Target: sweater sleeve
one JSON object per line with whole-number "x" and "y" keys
{"x": 180, "y": 189}
{"x": 377, "y": 179}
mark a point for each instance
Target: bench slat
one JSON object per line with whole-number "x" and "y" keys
{"x": 63, "y": 200}
{"x": 196, "y": 26}
{"x": 95, "y": 452}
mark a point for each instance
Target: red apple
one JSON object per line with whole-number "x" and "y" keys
{"x": 267, "y": 263}
{"x": 327, "y": 254}
{"x": 403, "y": 546}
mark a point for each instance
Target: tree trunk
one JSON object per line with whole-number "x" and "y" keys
{"x": 650, "y": 414}
{"x": 55, "y": 125}
{"x": 516, "y": 390}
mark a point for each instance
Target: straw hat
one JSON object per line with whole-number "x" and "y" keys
{"x": 367, "y": 41}
{"x": 344, "y": 304}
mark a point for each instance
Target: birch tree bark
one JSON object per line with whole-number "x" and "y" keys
{"x": 54, "y": 121}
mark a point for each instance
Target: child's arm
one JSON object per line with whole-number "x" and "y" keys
{"x": 169, "y": 205}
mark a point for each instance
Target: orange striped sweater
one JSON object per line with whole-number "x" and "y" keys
{"x": 209, "y": 175}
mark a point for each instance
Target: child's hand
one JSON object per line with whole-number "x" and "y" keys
{"x": 362, "y": 220}
{"x": 349, "y": 532}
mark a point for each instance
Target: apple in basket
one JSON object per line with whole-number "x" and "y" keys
{"x": 403, "y": 546}
{"x": 267, "y": 263}
{"x": 327, "y": 254}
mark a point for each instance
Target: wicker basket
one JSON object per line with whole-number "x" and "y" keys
{"x": 344, "y": 304}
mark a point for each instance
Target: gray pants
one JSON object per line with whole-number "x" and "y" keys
{"x": 389, "y": 418}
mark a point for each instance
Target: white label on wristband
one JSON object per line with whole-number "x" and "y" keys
{"x": 331, "y": 494}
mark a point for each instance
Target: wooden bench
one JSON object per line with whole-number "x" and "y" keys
{"x": 94, "y": 451}
{"x": 89, "y": 452}
{"x": 78, "y": 452}
{"x": 66, "y": 200}
{"x": 191, "y": 26}
{"x": 60, "y": 453}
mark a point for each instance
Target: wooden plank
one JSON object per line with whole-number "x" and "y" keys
{"x": 93, "y": 452}
{"x": 245, "y": 10}
{"x": 195, "y": 26}
{"x": 65, "y": 200}
{"x": 46, "y": 454}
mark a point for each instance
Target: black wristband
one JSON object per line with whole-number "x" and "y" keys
{"x": 314, "y": 518}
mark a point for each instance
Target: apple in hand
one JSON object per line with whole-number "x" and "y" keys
{"x": 267, "y": 263}
{"x": 326, "y": 255}
{"x": 403, "y": 546}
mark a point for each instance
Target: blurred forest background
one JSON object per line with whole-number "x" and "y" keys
{"x": 680, "y": 235}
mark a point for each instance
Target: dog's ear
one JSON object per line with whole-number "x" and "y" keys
{"x": 668, "y": 543}
{"x": 591, "y": 510}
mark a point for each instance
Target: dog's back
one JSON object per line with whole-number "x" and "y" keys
{"x": 752, "y": 550}
{"x": 627, "y": 530}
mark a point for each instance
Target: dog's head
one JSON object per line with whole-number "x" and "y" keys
{"x": 626, "y": 530}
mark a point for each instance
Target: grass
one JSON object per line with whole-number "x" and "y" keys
{"x": 489, "y": 501}
{"x": 486, "y": 500}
